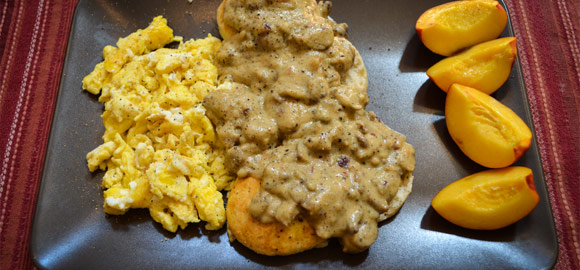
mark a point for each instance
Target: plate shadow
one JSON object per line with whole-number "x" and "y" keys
{"x": 429, "y": 99}
{"x": 416, "y": 57}
{"x": 434, "y": 222}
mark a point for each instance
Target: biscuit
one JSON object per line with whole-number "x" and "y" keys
{"x": 265, "y": 238}
{"x": 225, "y": 30}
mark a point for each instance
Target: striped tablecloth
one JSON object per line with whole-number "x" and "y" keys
{"x": 33, "y": 41}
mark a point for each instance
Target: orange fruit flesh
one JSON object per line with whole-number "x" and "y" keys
{"x": 488, "y": 200}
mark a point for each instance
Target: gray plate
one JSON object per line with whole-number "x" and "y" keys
{"x": 70, "y": 230}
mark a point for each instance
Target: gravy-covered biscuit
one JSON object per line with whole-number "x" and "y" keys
{"x": 265, "y": 238}
{"x": 292, "y": 114}
{"x": 225, "y": 30}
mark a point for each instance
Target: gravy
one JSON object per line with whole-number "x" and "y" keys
{"x": 295, "y": 118}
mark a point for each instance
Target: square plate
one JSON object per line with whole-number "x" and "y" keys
{"x": 71, "y": 231}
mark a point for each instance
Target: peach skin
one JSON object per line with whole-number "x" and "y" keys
{"x": 487, "y": 131}
{"x": 488, "y": 200}
{"x": 450, "y": 27}
{"x": 485, "y": 67}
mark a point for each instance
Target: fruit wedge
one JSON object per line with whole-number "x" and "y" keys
{"x": 485, "y": 67}
{"x": 487, "y": 131}
{"x": 488, "y": 200}
{"x": 447, "y": 28}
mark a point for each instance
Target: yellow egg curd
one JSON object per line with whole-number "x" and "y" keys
{"x": 160, "y": 150}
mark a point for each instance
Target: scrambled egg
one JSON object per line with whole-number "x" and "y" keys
{"x": 159, "y": 149}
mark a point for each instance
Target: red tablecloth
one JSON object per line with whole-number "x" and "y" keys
{"x": 33, "y": 40}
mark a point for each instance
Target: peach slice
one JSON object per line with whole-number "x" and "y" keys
{"x": 487, "y": 131}
{"x": 449, "y": 27}
{"x": 485, "y": 67}
{"x": 488, "y": 200}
